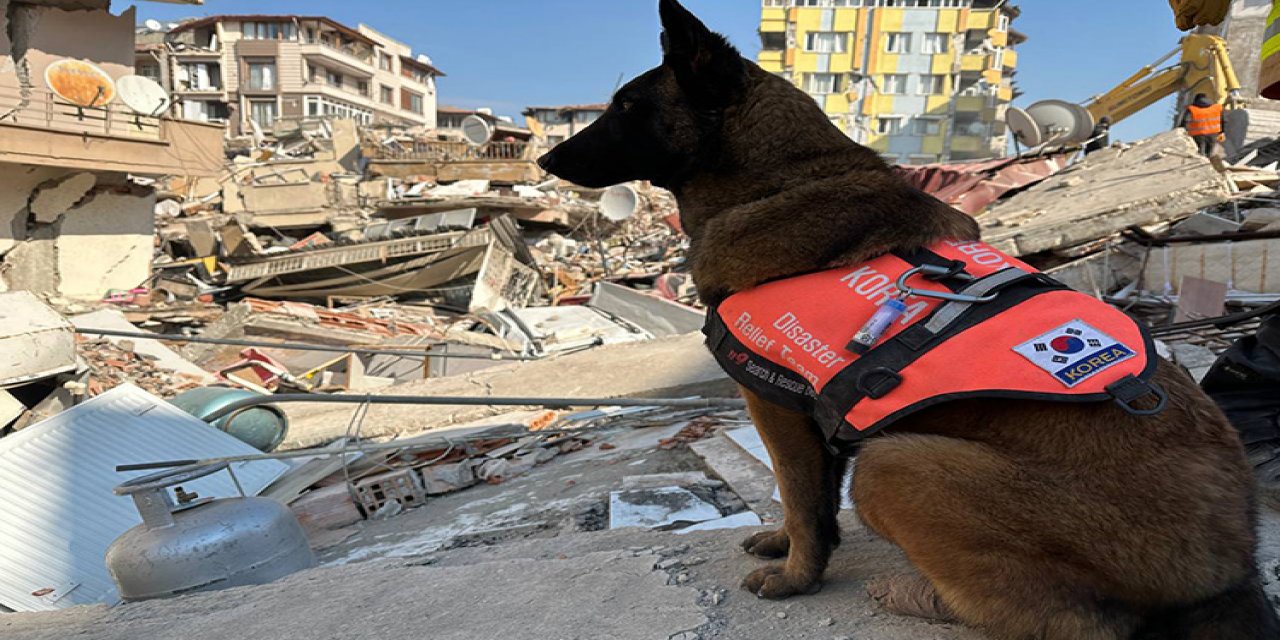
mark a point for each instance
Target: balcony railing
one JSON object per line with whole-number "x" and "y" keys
{"x": 455, "y": 151}
{"x": 42, "y": 109}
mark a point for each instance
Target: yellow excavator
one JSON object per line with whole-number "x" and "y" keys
{"x": 1204, "y": 67}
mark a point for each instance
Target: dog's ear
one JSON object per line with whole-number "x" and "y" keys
{"x": 708, "y": 68}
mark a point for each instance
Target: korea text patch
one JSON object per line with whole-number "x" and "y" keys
{"x": 1074, "y": 352}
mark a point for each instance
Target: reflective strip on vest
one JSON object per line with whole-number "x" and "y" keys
{"x": 787, "y": 341}
{"x": 1205, "y": 121}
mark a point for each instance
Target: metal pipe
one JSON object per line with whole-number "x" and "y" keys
{"x": 296, "y": 346}
{"x": 496, "y": 401}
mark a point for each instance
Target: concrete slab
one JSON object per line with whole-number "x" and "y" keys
{"x": 613, "y": 596}
{"x": 666, "y": 367}
{"x": 1161, "y": 178}
{"x": 105, "y": 243}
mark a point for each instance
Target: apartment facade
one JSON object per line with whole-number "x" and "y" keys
{"x": 77, "y": 204}
{"x": 263, "y": 68}
{"x": 563, "y": 122}
{"x": 920, "y": 81}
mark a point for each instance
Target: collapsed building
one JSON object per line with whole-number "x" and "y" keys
{"x": 76, "y": 213}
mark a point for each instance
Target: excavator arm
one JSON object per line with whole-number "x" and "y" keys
{"x": 1204, "y": 67}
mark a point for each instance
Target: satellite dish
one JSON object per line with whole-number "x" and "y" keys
{"x": 477, "y": 130}
{"x": 173, "y": 25}
{"x": 153, "y": 25}
{"x": 1061, "y": 122}
{"x": 143, "y": 95}
{"x": 619, "y": 202}
{"x": 80, "y": 83}
{"x": 1024, "y": 128}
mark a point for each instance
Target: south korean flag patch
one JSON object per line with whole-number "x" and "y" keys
{"x": 1074, "y": 352}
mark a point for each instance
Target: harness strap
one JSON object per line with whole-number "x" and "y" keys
{"x": 978, "y": 288}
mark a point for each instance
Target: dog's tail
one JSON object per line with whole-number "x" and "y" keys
{"x": 1243, "y": 612}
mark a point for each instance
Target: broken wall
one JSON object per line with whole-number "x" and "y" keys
{"x": 35, "y": 37}
{"x": 73, "y": 233}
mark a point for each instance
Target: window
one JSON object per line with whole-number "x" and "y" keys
{"x": 928, "y": 126}
{"x": 322, "y": 106}
{"x": 362, "y": 87}
{"x": 922, "y": 158}
{"x": 773, "y": 41}
{"x": 554, "y": 140}
{"x": 262, "y": 76}
{"x": 997, "y": 60}
{"x": 1004, "y": 22}
{"x": 263, "y": 112}
{"x": 935, "y": 43}
{"x": 384, "y": 62}
{"x": 199, "y": 76}
{"x": 822, "y": 83}
{"x": 387, "y": 94}
{"x": 894, "y": 84}
{"x": 933, "y": 85}
{"x": 269, "y": 30}
{"x": 148, "y": 70}
{"x": 410, "y": 101}
{"x": 333, "y": 77}
{"x": 825, "y": 42}
{"x": 889, "y": 125}
{"x": 586, "y": 117}
{"x": 897, "y": 42}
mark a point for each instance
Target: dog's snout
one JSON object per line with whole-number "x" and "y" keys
{"x": 545, "y": 161}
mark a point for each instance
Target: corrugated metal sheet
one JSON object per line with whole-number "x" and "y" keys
{"x": 57, "y": 511}
{"x": 972, "y": 186}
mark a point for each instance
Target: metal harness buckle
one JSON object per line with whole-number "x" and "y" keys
{"x": 938, "y": 272}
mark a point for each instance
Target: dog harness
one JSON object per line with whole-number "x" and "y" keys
{"x": 858, "y": 348}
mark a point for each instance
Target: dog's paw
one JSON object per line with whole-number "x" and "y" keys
{"x": 767, "y": 544}
{"x": 774, "y": 583}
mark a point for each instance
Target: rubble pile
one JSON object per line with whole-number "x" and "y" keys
{"x": 334, "y": 258}
{"x": 113, "y": 364}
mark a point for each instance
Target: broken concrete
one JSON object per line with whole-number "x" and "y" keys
{"x": 1160, "y": 179}
{"x": 54, "y": 199}
{"x": 105, "y": 243}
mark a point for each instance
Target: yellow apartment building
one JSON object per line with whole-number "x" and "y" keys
{"x": 920, "y": 81}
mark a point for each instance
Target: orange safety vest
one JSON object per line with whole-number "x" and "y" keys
{"x": 1012, "y": 333}
{"x": 1205, "y": 121}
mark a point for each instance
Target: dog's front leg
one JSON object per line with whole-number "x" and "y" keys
{"x": 808, "y": 482}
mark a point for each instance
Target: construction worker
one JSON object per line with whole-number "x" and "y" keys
{"x": 1203, "y": 120}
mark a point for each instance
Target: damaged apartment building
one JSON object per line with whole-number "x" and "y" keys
{"x": 77, "y": 208}
{"x": 919, "y": 81}
{"x": 263, "y": 68}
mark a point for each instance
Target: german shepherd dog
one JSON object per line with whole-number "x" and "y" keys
{"x": 1026, "y": 519}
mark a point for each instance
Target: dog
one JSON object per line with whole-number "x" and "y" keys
{"x": 1024, "y": 518}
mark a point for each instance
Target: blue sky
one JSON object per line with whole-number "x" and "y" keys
{"x": 508, "y": 54}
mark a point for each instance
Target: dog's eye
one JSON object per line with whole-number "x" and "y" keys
{"x": 625, "y": 105}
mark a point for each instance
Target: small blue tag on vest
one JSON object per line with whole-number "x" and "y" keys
{"x": 1074, "y": 352}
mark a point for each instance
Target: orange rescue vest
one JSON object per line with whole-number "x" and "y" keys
{"x": 1006, "y": 331}
{"x": 1205, "y": 121}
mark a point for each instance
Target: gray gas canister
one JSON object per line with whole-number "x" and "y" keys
{"x": 202, "y": 544}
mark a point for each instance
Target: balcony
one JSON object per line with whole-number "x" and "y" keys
{"x": 45, "y": 130}
{"x": 339, "y": 59}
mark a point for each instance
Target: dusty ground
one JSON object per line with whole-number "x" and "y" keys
{"x": 529, "y": 559}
